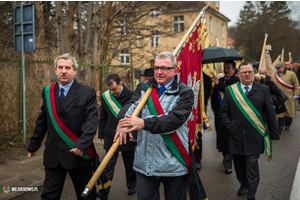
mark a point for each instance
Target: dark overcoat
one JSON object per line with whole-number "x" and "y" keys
{"x": 222, "y": 134}
{"x": 79, "y": 112}
{"x": 243, "y": 137}
{"x": 108, "y": 123}
{"x": 280, "y": 107}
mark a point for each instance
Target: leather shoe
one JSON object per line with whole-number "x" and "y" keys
{"x": 228, "y": 171}
{"x": 242, "y": 191}
{"x": 198, "y": 165}
{"x": 287, "y": 128}
{"x": 281, "y": 129}
{"x": 130, "y": 192}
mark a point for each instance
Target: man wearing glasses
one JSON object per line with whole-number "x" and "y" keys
{"x": 167, "y": 113}
{"x": 241, "y": 112}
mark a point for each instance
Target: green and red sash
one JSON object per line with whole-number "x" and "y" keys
{"x": 252, "y": 115}
{"x": 112, "y": 103}
{"x": 175, "y": 145}
{"x": 66, "y": 135}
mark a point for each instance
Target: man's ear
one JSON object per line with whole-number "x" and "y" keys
{"x": 120, "y": 83}
{"x": 175, "y": 71}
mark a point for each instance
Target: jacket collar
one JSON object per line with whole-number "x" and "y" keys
{"x": 71, "y": 96}
{"x": 253, "y": 89}
{"x": 174, "y": 86}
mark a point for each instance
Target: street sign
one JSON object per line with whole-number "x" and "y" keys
{"x": 24, "y": 25}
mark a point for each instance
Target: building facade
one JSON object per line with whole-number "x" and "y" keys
{"x": 167, "y": 26}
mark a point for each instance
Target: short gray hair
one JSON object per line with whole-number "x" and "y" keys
{"x": 169, "y": 55}
{"x": 66, "y": 56}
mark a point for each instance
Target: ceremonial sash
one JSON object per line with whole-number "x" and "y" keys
{"x": 112, "y": 103}
{"x": 174, "y": 144}
{"x": 67, "y": 136}
{"x": 252, "y": 115}
{"x": 284, "y": 84}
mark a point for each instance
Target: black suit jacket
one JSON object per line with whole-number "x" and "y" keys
{"x": 222, "y": 133}
{"x": 108, "y": 123}
{"x": 79, "y": 113}
{"x": 243, "y": 137}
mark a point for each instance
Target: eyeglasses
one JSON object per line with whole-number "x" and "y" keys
{"x": 245, "y": 73}
{"x": 162, "y": 68}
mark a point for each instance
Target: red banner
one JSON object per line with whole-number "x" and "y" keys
{"x": 189, "y": 69}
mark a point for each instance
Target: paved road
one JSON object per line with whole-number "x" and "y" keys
{"x": 275, "y": 182}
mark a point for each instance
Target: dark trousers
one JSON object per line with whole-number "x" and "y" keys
{"x": 247, "y": 172}
{"x": 198, "y": 152}
{"x": 285, "y": 122}
{"x": 128, "y": 157}
{"x": 227, "y": 160}
{"x": 148, "y": 187}
{"x": 55, "y": 179}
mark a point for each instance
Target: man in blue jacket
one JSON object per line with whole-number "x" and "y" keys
{"x": 165, "y": 115}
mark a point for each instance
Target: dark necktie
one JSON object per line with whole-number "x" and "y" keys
{"x": 62, "y": 95}
{"x": 247, "y": 90}
{"x": 225, "y": 80}
{"x": 161, "y": 89}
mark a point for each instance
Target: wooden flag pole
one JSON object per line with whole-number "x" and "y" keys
{"x": 263, "y": 52}
{"x": 282, "y": 55}
{"x": 113, "y": 148}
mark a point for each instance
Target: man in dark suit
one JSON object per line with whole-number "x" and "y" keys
{"x": 107, "y": 128}
{"x": 216, "y": 102}
{"x": 69, "y": 115}
{"x": 243, "y": 106}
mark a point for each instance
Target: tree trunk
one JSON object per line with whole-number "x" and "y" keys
{"x": 106, "y": 19}
{"x": 59, "y": 20}
{"x": 41, "y": 31}
{"x": 95, "y": 44}
{"x": 81, "y": 69}
{"x": 79, "y": 32}
{"x": 70, "y": 22}
{"x": 88, "y": 31}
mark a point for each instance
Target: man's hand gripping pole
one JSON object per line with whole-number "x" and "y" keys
{"x": 113, "y": 148}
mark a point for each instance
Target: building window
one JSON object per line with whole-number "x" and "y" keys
{"x": 155, "y": 38}
{"x": 178, "y": 24}
{"x": 155, "y": 13}
{"x": 210, "y": 25}
{"x": 124, "y": 57}
{"x": 223, "y": 30}
{"x": 217, "y": 24}
{"x": 124, "y": 30}
{"x": 217, "y": 4}
{"x": 139, "y": 42}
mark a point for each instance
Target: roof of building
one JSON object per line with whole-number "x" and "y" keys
{"x": 230, "y": 40}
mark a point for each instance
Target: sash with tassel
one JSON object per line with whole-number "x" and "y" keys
{"x": 70, "y": 138}
{"x": 174, "y": 144}
{"x": 252, "y": 115}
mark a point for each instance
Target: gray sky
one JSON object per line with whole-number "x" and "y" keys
{"x": 231, "y": 9}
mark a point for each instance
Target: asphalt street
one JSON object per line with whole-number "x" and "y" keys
{"x": 276, "y": 177}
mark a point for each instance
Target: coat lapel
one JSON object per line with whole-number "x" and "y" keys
{"x": 253, "y": 90}
{"x": 56, "y": 96}
{"x": 71, "y": 96}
